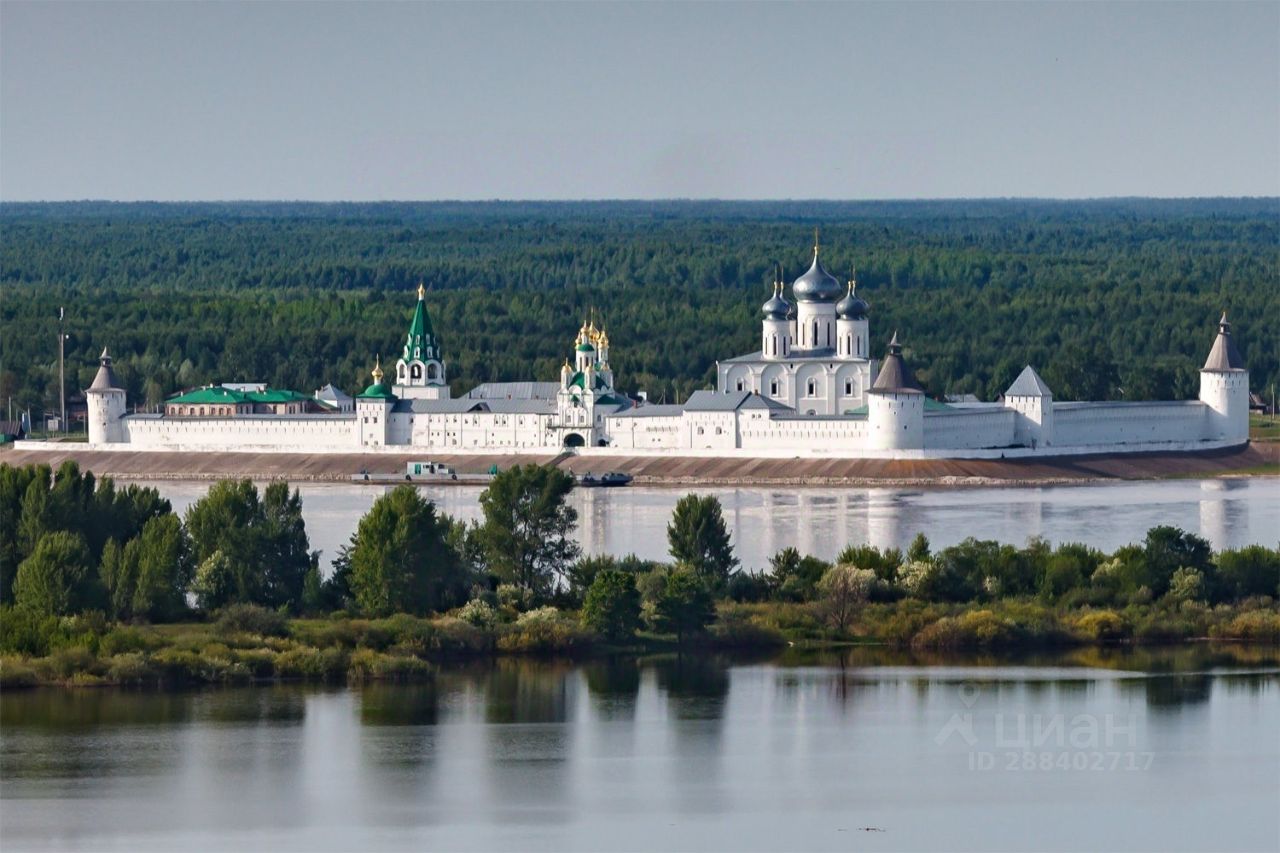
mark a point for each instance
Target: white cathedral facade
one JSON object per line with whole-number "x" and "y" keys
{"x": 812, "y": 390}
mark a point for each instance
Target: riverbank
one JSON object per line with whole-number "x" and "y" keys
{"x": 1254, "y": 459}
{"x": 261, "y": 647}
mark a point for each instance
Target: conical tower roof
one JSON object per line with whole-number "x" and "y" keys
{"x": 1224, "y": 355}
{"x": 895, "y": 376}
{"x": 106, "y": 378}
{"x": 420, "y": 343}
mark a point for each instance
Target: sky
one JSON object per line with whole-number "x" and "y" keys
{"x": 422, "y": 101}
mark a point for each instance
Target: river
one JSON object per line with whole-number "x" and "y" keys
{"x": 875, "y": 750}
{"x": 1229, "y": 512}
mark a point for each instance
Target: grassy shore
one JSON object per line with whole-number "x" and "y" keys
{"x": 85, "y": 651}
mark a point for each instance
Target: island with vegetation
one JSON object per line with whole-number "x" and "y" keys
{"x": 107, "y": 585}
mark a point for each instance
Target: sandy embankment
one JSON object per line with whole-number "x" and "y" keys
{"x": 659, "y": 470}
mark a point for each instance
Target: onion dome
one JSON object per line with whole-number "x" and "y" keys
{"x": 776, "y": 308}
{"x": 816, "y": 285}
{"x": 851, "y": 307}
{"x": 378, "y": 388}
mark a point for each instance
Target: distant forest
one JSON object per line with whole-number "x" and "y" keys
{"x": 1113, "y": 299}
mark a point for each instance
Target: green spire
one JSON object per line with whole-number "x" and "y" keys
{"x": 420, "y": 344}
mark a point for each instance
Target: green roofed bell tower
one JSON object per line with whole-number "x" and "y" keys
{"x": 420, "y": 372}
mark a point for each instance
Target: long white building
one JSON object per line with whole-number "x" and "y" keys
{"x": 812, "y": 390}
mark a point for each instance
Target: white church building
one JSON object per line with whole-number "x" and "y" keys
{"x": 812, "y": 390}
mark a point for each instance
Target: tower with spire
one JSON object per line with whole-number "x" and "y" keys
{"x": 420, "y": 371}
{"x": 1224, "y": 388}
{"x": 895, "y": 405}
{"x": 105, "y": 400}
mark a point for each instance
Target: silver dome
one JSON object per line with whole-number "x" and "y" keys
{"x": 851, "y": 307}
{"x": 816, "y": 285}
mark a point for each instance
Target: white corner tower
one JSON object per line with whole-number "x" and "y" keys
{"x": 895, "y": 405}
{"x": 106, "y": 403}
{"x": 1031, "y": 398}
{"x": 420, "y": 372}
{"x": 1224, "y": 389}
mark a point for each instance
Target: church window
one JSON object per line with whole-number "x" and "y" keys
{"x": 417, "y": 353}
{"x": 739, "y": 384}
{"x": 814, "y": 340}
{"x": 812, "y": 388}
{"x": 828, "y": 335}
{"x": 773, "y": 388}
{"x": 416, "y": 371}
{"x": 859, "y": 342}
{"x": 848, "y": 387}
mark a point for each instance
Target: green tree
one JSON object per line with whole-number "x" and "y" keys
{"x": 612, "y": 605}
{"x": 286, "y": 552}
{"x": 164, "y": 569}
{"x": 528, "y": 526}
{"x": 1167, "y": 549}
{"x": 844, "y": 590}
{"x": 685, "y": 607}
{"x": 1252, "y": 570}
{"x": 227, "y": 521}
{"x": 794, "y": 577}
{"x": 57, "y": 578}
{"x": 401, "y": 560}
{"x": 263, "y": 543}
{"x": 698, "y": 538}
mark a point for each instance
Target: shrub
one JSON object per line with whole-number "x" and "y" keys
{"x": 368, "y": 665}
{"x": 311, "y": 664}
{"x": 130, "y": 668}
{"x": 16, "y": 672}
{"x": 479, "y": 613}
{"x": 736, "y": 628}
{"x": 1187, "y": 585}
{"x": 451, "y": 636}
{"x": 252, "y": 619}
{"x": 177, "y": 666}
{"x": 27, "y": 632}
{"x": 65, "y": 663}
{"x": 975, "y": 628}
{"x": 1102, "y": 626}
{"x": 122, "y": 640}
{"x": 1259, "y": 626}
{"x": 544, "y": 631}
{"x": 259, "y": 663}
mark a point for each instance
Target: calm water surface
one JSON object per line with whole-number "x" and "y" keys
{"x": 876, "y": 751}
{"x": 819, "y": 521}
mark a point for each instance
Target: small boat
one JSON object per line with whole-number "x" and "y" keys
{"x": 613, "y": 478}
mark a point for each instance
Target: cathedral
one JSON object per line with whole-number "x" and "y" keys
{"x": 813, "y": 389}
{"x": 814, "y": 354}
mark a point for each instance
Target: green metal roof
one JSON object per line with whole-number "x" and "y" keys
{"x": 219, "y": 394}
{"x": 380, "y": 390}
{"x": 420, "y": 343}
{"x": 586, "y": 348}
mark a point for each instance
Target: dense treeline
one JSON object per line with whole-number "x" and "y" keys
{"x": 81, "y": 561}
{"x": 1112, "y": 299}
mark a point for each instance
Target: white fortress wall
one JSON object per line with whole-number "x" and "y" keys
{"x": 798, "y": 434}
{"x": 1103, "y": 424}
{"x": 299, "y": 433}
{"x": 963, "y": 429}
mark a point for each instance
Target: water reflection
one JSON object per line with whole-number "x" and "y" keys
{"x": 663, "y": 752}
{"x": 823, "y": 521}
